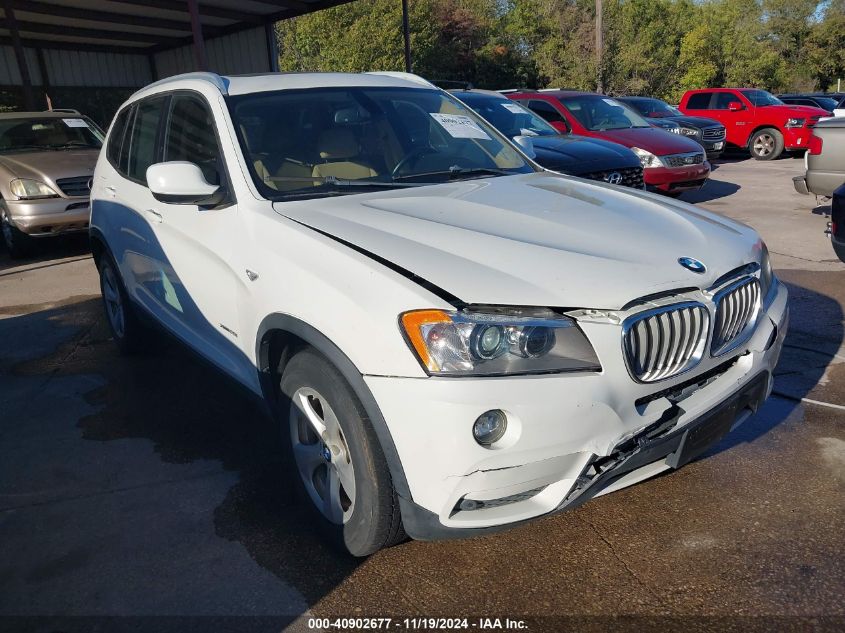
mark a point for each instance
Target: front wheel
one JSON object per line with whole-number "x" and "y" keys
{"x": 128, "y": 332}
{"x": 766, "y": 144}
{"x": 17, "y": 243}
{"x": 335, "y": 457}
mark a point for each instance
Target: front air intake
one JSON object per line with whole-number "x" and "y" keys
{"x": 665, "y": 342}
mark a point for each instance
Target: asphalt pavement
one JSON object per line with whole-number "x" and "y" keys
{"x": 148, "y": 493}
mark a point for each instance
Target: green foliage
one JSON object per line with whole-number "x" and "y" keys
{"x": 656, "y": 47}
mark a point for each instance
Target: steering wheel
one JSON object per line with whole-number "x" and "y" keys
{"x": 412, "y": 158}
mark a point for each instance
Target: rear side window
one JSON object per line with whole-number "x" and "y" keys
{"x": 142, "y": 139}
{"x": 190, "y": 136}
{"x": 546, "y": 110}
{"x": 118, "y": 131}
{"x": 699, "y": 101}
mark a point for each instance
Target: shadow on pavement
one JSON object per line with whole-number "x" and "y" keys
{"x": 45, "y": 250}
{"x": 712, "y": 190}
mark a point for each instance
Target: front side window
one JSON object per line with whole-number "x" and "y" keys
{"x": 190, "y": 136}
{"x": 142, "y": 138}
{"x": 318, "y": 142}
{"x": 725, "y": 99}
{"x": 118, "y": 131}
{"x": 699, "y": 101}
{"x": 48, "y": 134}
{"x": 507, "y": 116}
{"x": 597, "y": 113}
{"x": 546, "y": 110}
{"x": 761, "y": 98}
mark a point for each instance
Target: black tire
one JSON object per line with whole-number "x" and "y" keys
{"x": 132, "y": 336}
{"x": 766, "y": 144}
{"x": 371, "y": 519}
{"x": 18, "y": 244}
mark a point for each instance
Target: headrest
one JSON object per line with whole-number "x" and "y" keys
{"x": 337, "y": 144}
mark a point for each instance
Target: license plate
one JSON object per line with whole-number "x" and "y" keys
{"x": 718, "y": 145}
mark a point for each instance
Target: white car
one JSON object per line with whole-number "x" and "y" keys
{"x": 452, "y": 339}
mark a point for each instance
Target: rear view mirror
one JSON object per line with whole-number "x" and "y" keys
{"x": 735, "y": 106}
{"x": 526, "y": 145}
{"x": 181, "y": 182}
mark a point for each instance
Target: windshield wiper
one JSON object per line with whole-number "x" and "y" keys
{"x": 457, "y": 173}
{"x": 70, "y": 145}
{"x": 331, "y": 186}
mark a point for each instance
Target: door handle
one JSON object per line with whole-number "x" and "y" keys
{"x": 154, "y": 216}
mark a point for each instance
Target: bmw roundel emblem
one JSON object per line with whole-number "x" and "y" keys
{"x": 692, "y": 264}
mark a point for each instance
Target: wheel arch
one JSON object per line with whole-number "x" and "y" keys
{"x": 282, "y": 335}
{"x": 762, "y": 126}
{"x": 99, "y": 246}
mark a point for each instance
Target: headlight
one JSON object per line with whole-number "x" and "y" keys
{"x": 647, "y": 158}
{"x": 26, "y": 189}
{"x": 497, "y": 342}
{"x": 795, "y": 122}
{"x": 689, "y": 131}
{"x": 767, "y": 275}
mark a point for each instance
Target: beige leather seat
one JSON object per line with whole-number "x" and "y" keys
{"x": 276, "y": 158}
{"x": 336, "y": 148}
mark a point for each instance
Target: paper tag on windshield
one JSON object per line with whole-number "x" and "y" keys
{"x": 75, "y": 123}
{"x": 513, "y": 107}
{"x": 460, "y": 126}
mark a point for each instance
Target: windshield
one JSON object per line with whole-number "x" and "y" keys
{"x": 343, "y": 140}
{"x": 18, "y": 135}
{"x": 507, "y": 116}
{"x": 761, "y": 98}
{"x": 827, "y": 103}
{"x": 653, "y": 108}
{"x": 598, "y": 113}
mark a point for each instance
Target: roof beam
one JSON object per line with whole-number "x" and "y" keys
{"x": 298, "y": 5}
{"x": 44, "y": 8}
{"x": 74, "y": 46}
{"x": 209, "y": 10}
{"x": 60, "y": 29}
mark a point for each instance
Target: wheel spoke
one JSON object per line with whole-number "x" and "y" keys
{"x": 346, "y": 475}
{"x": 308, "y": 458}
{"x": 303, "y": 402}
{"x": 332, "y": 507}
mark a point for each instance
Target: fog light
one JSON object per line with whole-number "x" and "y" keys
{"x": 490, "y": 427}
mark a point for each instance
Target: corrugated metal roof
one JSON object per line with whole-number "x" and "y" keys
{"x": 140, "y": 26}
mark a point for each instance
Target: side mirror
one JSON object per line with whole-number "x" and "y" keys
{"x": 181, "y": 182}
{"x": 526, "y": 145}
{"x": 735, "y": 106}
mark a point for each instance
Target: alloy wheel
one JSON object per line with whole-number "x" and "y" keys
{"x": 8, "y": 237}
{"x": 764, "y": 145}
{"x": 114, "y": 302}
{"x": 322, "y": 455}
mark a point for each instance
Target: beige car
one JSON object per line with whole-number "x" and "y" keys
{"x": 47, "y": 160}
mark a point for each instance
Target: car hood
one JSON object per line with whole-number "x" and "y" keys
{"x": 652, "y": 139}
{"x": 50, "y": 165}
{"x": 580, "y": 154}
{"x": 535, "y": 239}
{"x": 796, "y": 110}
{"x": 692, "y": 121}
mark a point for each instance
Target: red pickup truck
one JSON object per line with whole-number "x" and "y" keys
{"x": 754, "y": 119}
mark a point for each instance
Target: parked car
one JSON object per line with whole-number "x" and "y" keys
{"x": 829, "y": 101}
{"x": 671, "y": 163}
{"x": 570, "y": 154}
{"x": 46, "y": 163}
{"x": 755, "y": 119}
{"x": 451, "y": 339}
{"x": 824, "y": 161}
{"x": 836, "y": 227}
{"x": 708, "y": 133}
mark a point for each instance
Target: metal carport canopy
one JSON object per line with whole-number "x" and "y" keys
{"x": 140, "y": 28}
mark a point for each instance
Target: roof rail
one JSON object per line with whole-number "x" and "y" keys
{"x": 64, "y": 110}
{"x": 453, "y": 84}
{"x": 407, "y": 76}
{"x": 221, "y": 83}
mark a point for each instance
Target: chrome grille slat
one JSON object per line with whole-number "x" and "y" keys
{"x": 664, "y": 342}
{"x": 737, "y": 309}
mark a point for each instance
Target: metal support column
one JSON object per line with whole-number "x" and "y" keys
{"x": 196, "y": 30}
{"x": 406, "y": 34}
{"x": 26, "y": 80}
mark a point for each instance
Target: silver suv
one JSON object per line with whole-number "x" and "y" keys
{"x": 46, "y": 163}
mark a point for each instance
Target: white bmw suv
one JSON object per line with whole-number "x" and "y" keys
{"x": 452, "y": 339}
